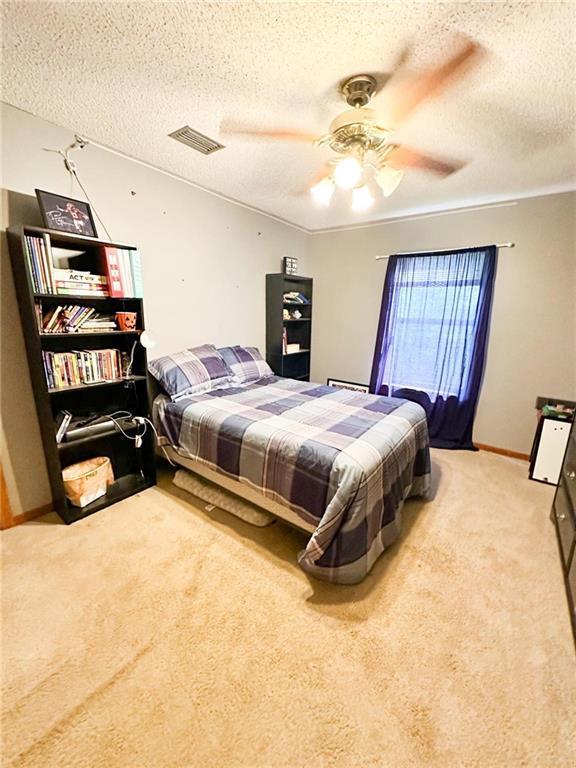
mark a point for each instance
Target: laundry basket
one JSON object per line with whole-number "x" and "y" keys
{"x": 86, "y": 481}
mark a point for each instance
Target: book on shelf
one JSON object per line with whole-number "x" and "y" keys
{"x": 123, "y": 269}
{"x": 39, "y": 315}
{"x": 47, "y": 251}
{"x": 136, "y": 265}
{"x": 39, "y": 259}
{"x": 295, "y": 297}
{"x": 82, "y": 286}
{"x": 284, "y": 341}
{"x": 63, "y": 420}
{"x": 77, "y": 276}
{"x": 31, "y": 263}
{"x": 76, "y": 282}
{"x": 98, "y": 324}
{"x": 109, "y": 263}
{"x": 126, "y": 271}
{"x": 88, "y": 366}
{"x": 46, "y": 278}
{"x": 78, "y": 291}
{"x": 72, "y": 318}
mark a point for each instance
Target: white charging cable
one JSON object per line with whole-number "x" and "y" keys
{"x": 131, "y": 363}
{"x": 141, "y": 420}
{"x": 162, "y": 448}
{"x": 113, "y": 417}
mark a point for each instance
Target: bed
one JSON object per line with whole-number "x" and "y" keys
{"x": 338, "y": 464}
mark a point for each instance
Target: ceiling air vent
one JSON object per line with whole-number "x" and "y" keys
{"x": 196, "y": 140}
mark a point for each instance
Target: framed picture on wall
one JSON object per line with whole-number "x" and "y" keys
{"x": 354, "y": 386}
{"x": 66, "y": 214}
{"x": 289, "y": 265}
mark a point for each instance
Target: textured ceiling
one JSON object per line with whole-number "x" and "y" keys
{"x": 127, "y": 74}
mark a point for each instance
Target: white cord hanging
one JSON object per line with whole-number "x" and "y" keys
{"x": 70, "y": 165}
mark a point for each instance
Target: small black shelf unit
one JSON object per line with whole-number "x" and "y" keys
{"x": 134, "y": 468}
{"x": 295, "y": 365}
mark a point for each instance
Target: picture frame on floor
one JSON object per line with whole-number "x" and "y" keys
{"x": 353, "y": 385}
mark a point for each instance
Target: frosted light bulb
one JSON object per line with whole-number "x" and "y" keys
{"x": 348, "y": 173}
{"x": 388, "y": 179}
{"x": 323, "y": 191}
{"x": 362, "y": 198}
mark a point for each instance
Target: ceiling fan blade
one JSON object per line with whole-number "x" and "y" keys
{"x": 383, "y": 78}
{"x": 404, "y": 157}
{"x": 322, "y": 173}
{"x": 409, "y": 92}
{"x": 274, "y": 135}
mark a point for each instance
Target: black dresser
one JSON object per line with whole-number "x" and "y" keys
{"x": 564, "y": 515}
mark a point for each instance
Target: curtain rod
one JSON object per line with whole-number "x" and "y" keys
{"x": 418, "y": 253}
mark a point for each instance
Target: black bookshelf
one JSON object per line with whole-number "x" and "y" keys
{"x": 294, "y": 365}
{"x": 564, "y": 515}
{"x": 134, "y": 468}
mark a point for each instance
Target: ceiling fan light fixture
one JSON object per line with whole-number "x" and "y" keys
{"x": 323, "y": 191}
{"x": 362, "y": 198}
{"x": 388, "y": 179}
{"x": 348, "y": 173}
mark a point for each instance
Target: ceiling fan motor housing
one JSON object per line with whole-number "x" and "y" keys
{"x": 358, "y": 90}
{"x": 358, "y": 126}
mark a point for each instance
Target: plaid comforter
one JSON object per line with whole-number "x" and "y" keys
{"x": 341, "y": 460}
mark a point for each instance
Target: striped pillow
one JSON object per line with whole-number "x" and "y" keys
{"x": 191, "y": 371}
{"x": 245, "y": 363}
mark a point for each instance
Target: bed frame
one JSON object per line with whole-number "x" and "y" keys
{"x": 239, "y": 489}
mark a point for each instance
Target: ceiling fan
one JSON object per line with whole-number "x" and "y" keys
{"x": 363, "y": 136}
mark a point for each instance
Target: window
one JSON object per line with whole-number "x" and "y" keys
{"x": 428, "y": 306}
{"x": 433, "y": 326}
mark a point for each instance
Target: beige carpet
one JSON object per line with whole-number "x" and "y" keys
{"x": 157, "y": 634}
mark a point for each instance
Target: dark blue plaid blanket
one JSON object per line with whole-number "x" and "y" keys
{"x": 342, "y": 460}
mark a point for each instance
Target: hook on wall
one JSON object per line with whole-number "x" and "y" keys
{"x": 78, "y": 143}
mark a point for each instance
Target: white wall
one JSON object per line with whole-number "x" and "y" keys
{"x": 204, "y": 262}
{"x": 532, "y": 345}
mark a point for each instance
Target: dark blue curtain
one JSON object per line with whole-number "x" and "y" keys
{"x": 432, "y": 337}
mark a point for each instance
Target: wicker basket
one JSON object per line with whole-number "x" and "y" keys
{"x": 88, "y": 480}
